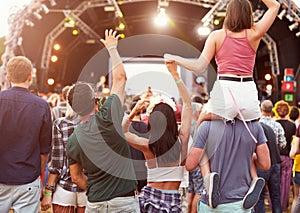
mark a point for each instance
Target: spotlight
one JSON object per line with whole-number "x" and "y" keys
{"x": 268, "y": 77}
{"x": 122, "y": 35}
{"x": 204, "y": 30}
{"x": 54, "y": 58}
{"x": 281, "y": 14}
{"x": 45, "y": 8}
{"x": 289, "y": 17}
{"x": 52, "y": 2}
{"x": 293, "y": 26}
{"x": 75, "y": 32}
{"x": 29, "y": 23}
{"x": 56, "y": 47}
{"x": 269, "y": 87}
{"x": 37, "y": 15}
{"x": 121, "y": 26}
{"x": 20, "y": 41}
{"x": 161, "y": 19}
{"x": 50, "y": 81}
{"x": 69, "y": 22}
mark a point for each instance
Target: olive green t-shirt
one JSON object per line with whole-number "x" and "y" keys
{"x": 100, "y": 147}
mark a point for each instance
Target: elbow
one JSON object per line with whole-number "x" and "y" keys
{"x": 189, "y": 166}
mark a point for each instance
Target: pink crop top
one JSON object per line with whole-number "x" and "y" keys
{"x": 235, "y": 56}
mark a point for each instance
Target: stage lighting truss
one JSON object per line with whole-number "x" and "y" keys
{"x": 291, "y": 10}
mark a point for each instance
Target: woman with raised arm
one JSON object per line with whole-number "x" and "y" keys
{"x": 234, "y": 47}
{"x": 165, "y": 151}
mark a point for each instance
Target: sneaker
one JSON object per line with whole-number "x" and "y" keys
{"x": 211, "y": 183}
{"x": 253, "y": 194}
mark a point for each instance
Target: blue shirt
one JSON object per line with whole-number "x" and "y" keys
{"x": 25, "y": 133}
{"x": 230, "y": 148}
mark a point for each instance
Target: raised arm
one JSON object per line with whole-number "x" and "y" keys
{"x": 186, "y": 114}
{"x": 118, "y": 72}
{"x": 134, "y": 140}
{"x": 262, "y": 26}
{"x": 196, "y": 65}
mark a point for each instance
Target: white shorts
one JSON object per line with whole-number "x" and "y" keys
{"x": 221, "y": 102}
{"x": 63, "y": 197}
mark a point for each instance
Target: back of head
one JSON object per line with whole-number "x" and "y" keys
{"x": 294, "y": 113}
{"x": 238, "y": 15}
{"x": 18, "y": 69}
{"x": 64, "y": 92}
{"x": 282, "y": 108}
{"x": 267, "y": 106}
{"x": 163, "y": 133}
{"x": 81, "y": 98}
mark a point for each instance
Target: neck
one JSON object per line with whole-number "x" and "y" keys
{"x": 24, "y": 85}
{"x": 86, "y": 118}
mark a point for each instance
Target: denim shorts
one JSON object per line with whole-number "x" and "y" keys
{"x": 296, "y": 178}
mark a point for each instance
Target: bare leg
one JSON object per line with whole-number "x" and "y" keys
{"x": 195, "y": 203}
{"x": 253, "y": 168}
{"x": 59, "y": 209}
{"x": 80, "y": 209}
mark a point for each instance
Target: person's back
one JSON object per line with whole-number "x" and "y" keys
{"x": 229, "y": 148}
{"x": 25, "y": 139}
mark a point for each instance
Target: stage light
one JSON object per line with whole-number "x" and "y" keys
{"x": 217, "y": 22}
{"x": 269, "y": 87}
{"x": 268, "y": 77}
{"x": 56, "y": 47}
{"x": 52, "y": 2}
{"x": 298, "y": 34}
{"x": 204, "y": 30}
{"x": 37, "y": 15}
{"x": 75, "y": 32}
{"x": 69, "y": 22}
{"x": 45, "y": 8}
{"x": 121, "y": 26}
{"x": 289, "y": 17}
{"x": 29, "y": 23}
{"x": 122, "y": 35}
{"x": 20, "y": 41}
{"x": 293, "y": 26}
{"x": 161, "y": 19}
{"x": 281, "y": 14}
{"x": 54, "y": 58}
{"x": 50, "y": 81}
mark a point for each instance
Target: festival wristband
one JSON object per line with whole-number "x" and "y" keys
{"x": 111, "y": 47}
{"x": 178, "y": 81}
{"x": 47, "y": 193}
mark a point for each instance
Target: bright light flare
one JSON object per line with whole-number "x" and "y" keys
{"x": 50, "y": 81}
{"x": 54, "y": 58}
{"x": 204, "y": 30}
{"x": 268, "y": 77}
{"x": 56, "y": 47}
{"x": 161, "y": 19}
{"x": 269, "y": 87}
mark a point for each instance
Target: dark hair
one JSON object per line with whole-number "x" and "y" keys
{"x": 238, "y": 15}
{"x": 81, "y": 98}
{"x": 163, "y": 134}
{"x": 294, "y": 113}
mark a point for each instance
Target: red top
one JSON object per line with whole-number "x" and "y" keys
{"x": 235, "y": 56}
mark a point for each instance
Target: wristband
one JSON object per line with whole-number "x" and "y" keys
{"x": 51, "y": 188}
{"x": 111, "y": 47}
{"x": 47, "y": 193}
{"x": 178, "y": 81}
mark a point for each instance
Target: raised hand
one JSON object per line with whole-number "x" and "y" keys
{"x": 111, "y": 38}
{"x": 172, "y": 67}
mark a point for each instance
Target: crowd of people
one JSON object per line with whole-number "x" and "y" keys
{"x": 81, "y": 151}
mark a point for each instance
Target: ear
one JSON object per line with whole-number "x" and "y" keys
{"x": 8, "y": 78}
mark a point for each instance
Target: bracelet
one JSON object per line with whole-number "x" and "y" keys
{"x": 51, "y": 188}
{"x": 47, "y": 193}
{"x": 178, "y": 81}
{"x": 111, "y": 47}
